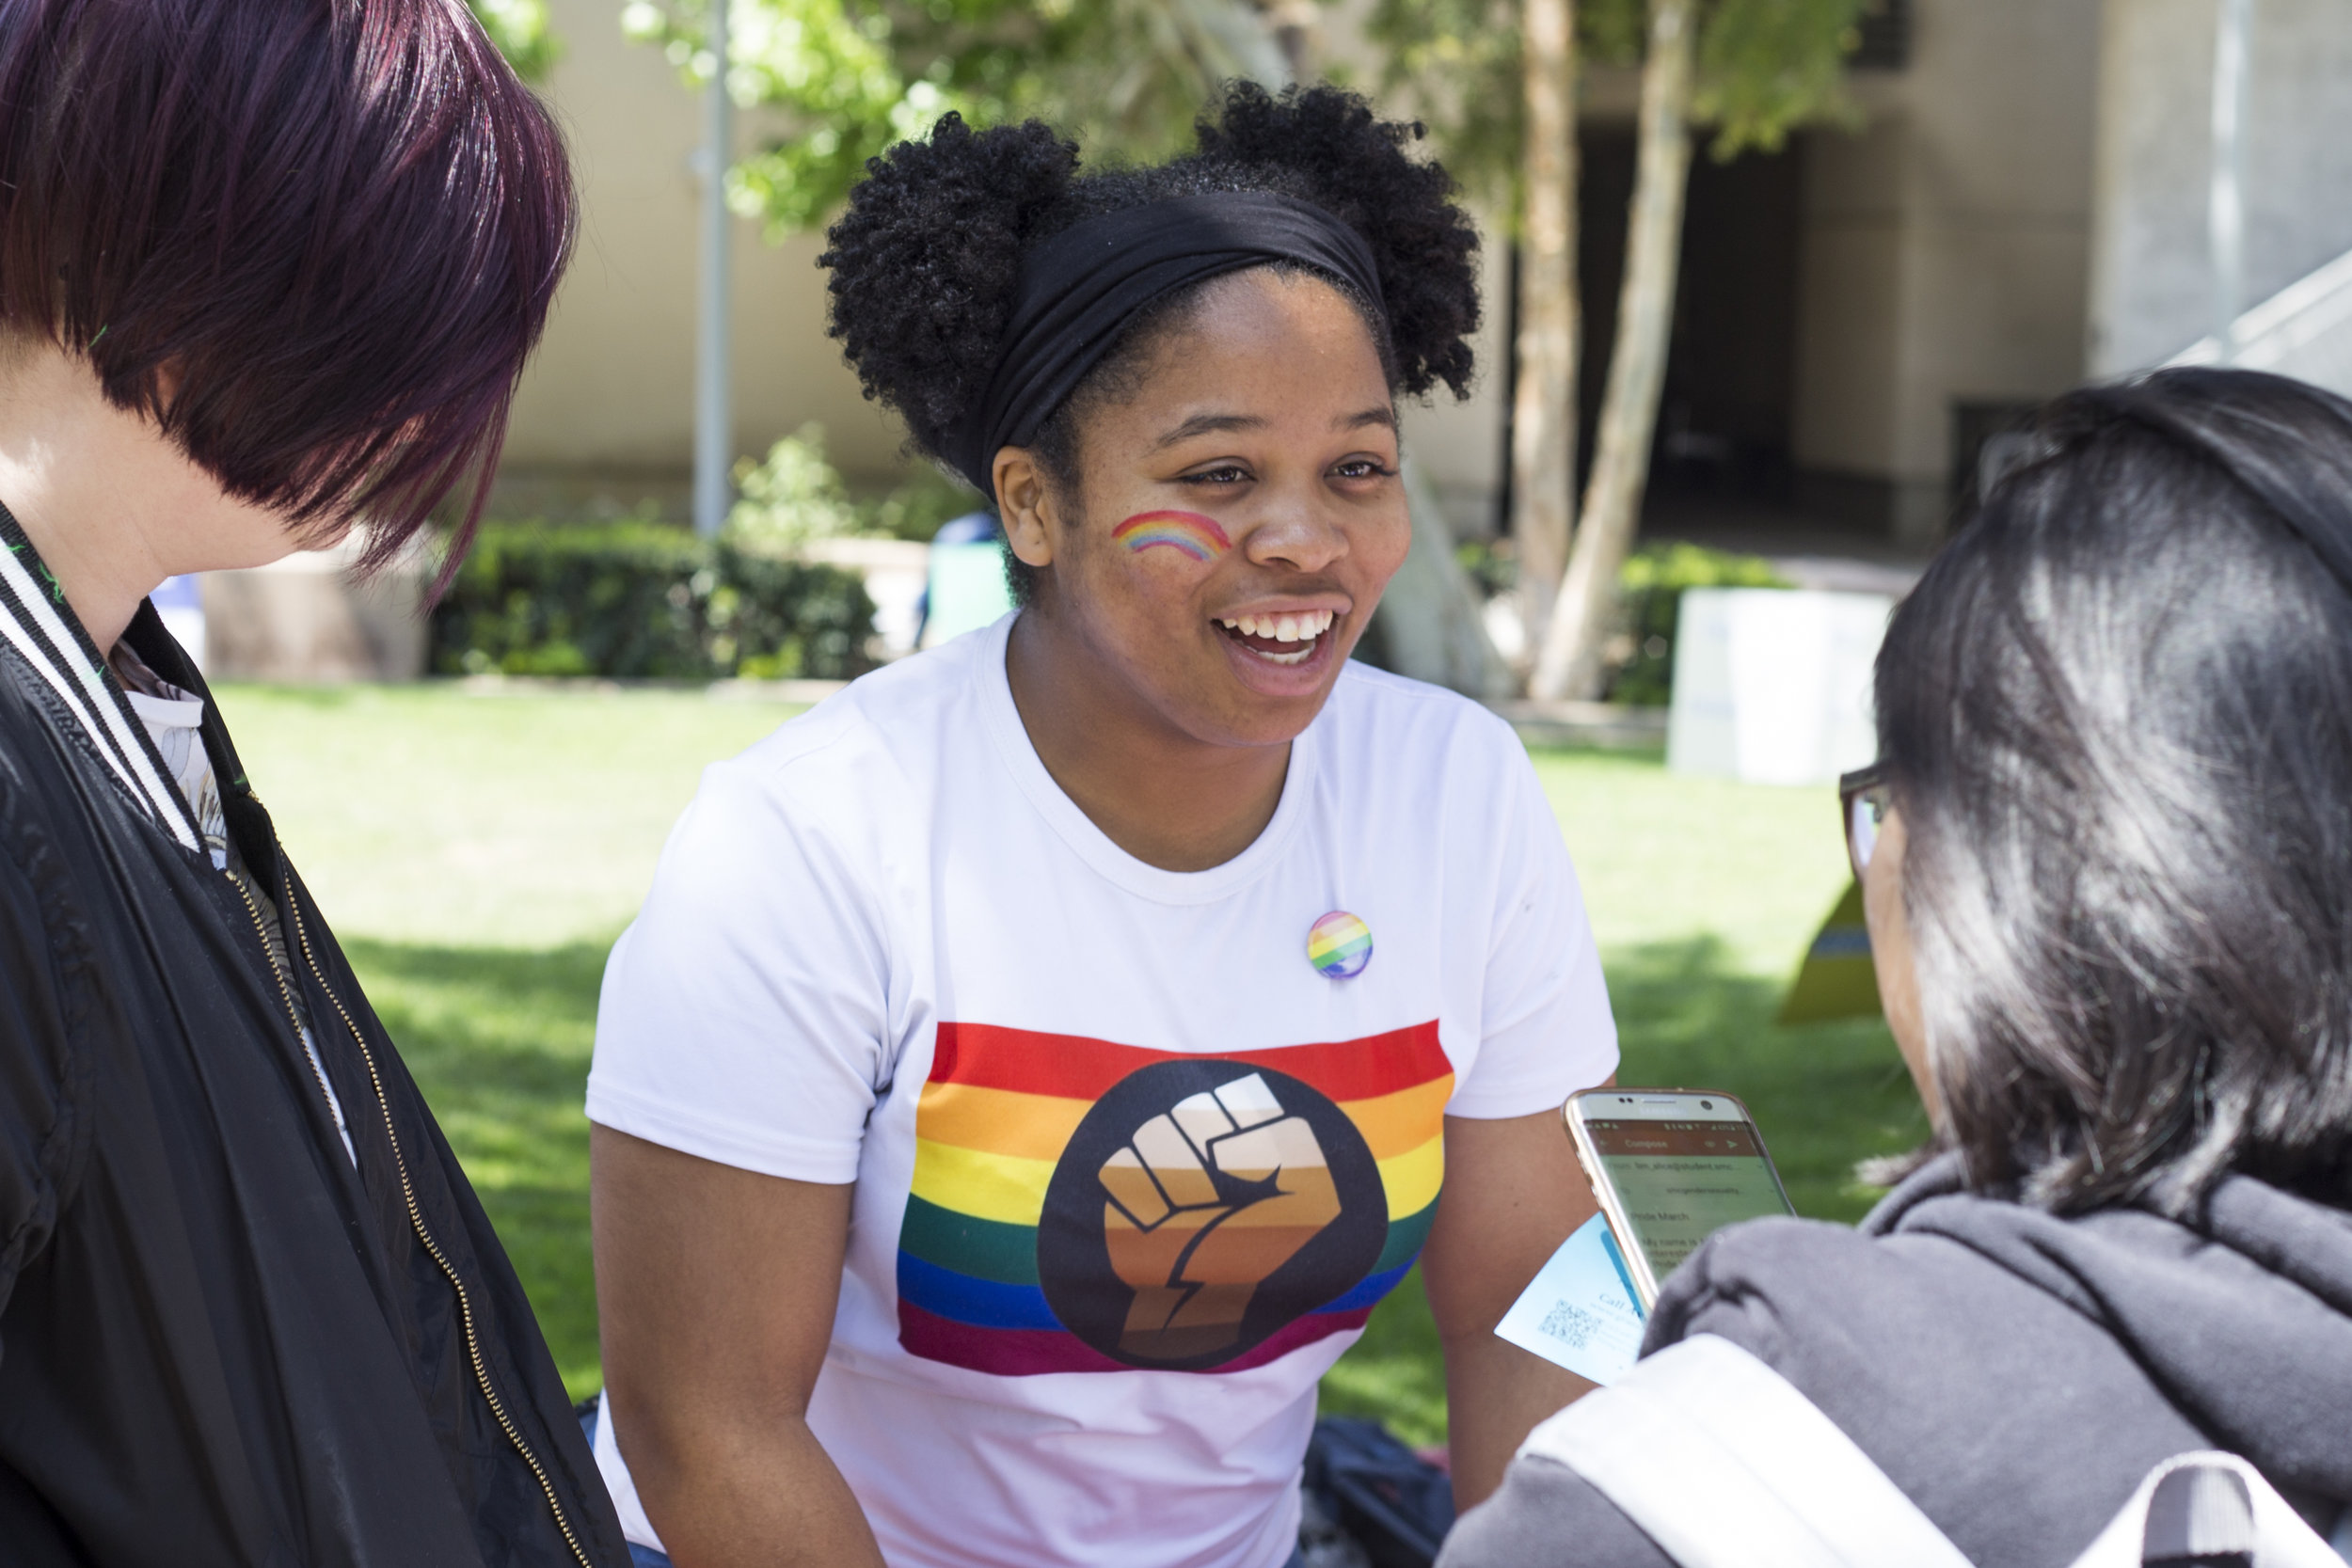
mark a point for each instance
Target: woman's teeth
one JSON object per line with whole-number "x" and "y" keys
{"x": 1255, "y": 631}
{"x": 1283, "y": 628}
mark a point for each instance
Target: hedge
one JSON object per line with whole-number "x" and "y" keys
{"x": 641, "y": 600}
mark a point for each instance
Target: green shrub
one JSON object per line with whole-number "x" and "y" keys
{"x": 1641, "y": 658}
{"x": 642, "y": 600}
{"x": 795, "y": 495}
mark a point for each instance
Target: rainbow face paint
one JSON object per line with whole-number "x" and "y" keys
{"x": 1186, "y": 533}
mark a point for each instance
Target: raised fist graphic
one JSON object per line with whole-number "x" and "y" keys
{"x": 1205, "y": 1203}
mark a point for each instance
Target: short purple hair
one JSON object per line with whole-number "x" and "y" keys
{"x": 314, "y": 240}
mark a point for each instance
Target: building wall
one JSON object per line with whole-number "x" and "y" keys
{"x": 1944, "y": 260}
{"x": 2151, "y": 288}
{"x": 605, "y": 415}
{"x": 1945, "y": 251}
{"x": 1460, "y": 443}
{"x": 1945, "y": 254}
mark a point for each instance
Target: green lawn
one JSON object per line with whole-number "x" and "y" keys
{"x": 478, "y": 852}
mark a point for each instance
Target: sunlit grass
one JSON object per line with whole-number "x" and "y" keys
{"x": 434, "y": 814}
{"x": 478, "y": 852}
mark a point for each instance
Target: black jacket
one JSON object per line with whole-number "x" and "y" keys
{"x": 2014, "y": 1372}
{"x": 220, "y": 1344}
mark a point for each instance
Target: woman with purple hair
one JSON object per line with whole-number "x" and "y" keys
{"x": 269, "y": 270}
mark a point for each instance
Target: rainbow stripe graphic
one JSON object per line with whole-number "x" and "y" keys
{"x": 1189, "y": 532}
{"x": 990, "y": 1126}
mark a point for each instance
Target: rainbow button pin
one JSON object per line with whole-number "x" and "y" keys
{"x": 1338, "y": 946}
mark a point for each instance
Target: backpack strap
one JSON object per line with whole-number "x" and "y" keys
{"x": 1723, "y": 1463}
{"x": 2200, "y": 1506}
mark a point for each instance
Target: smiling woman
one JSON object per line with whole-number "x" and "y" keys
{"x": 1060, "y": 1041}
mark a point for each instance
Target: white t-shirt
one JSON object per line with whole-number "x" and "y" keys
{"x": 1131, "y": 1169}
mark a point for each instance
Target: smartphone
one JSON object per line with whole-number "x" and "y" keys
{"x": 1671, "y": 1167}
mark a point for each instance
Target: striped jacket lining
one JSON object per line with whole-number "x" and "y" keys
{"x": 63, "y": 657}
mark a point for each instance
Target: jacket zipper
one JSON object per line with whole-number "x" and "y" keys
{"x": 285, "y": 995}
{"x": 408, "y": 1193}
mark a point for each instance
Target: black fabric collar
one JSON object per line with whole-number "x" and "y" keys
{"x": 37, "y": 621}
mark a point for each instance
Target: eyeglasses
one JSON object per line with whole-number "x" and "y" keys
{"x": 1864, "y": 799}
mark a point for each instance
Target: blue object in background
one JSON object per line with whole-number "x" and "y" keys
{"x": 181, "y": 604}
{"x": 972, "y": 528}
{"x": 966, "y": 589}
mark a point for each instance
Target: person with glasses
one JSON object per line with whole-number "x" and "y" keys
{"x": 2106, "y": 862}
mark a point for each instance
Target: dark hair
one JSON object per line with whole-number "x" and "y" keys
{"x": 926, "y": 261}
{"x": 2117, "y": 713}
{"x": 314, "y": 242}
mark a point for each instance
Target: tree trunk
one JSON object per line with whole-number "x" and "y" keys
{"x": 1430, "y": 624}
{"x": 1569, "y": 662}
{"x": 1543, "y": 405}
{"x": 1225, "y": 38}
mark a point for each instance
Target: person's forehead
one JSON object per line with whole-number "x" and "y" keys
{"x": 1287, "y": 352}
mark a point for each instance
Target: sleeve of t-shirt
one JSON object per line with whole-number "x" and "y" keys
{"x": 745, "y": 1014}
{"x": 1547, "y": 1028}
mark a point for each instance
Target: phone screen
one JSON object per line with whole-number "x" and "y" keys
{"x": 1679, "y": 1181}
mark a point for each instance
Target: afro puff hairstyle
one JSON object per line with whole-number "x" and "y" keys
{"x": 926, "y": 261}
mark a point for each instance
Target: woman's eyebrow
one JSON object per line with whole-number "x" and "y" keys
{"x": 1202, "y": 424}
{"x": 1382, "y": 416}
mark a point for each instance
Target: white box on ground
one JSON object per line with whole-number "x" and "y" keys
{"x": 896, "y": 572}
{"x": 1773, "y": 685}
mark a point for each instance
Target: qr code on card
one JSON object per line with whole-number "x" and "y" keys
{"x": 1570, "y": 1324}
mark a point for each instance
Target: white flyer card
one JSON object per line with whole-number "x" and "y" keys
{"x": 1580, "y": 1312}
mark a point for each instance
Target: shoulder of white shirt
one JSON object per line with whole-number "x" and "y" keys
{"x": 873, "y": 728}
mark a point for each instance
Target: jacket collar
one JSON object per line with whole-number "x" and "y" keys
{"x": 37, "y": 621}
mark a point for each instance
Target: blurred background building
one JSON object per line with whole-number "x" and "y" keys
{"x": 2023, "y": 206}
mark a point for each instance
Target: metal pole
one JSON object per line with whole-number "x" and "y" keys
{"x": 2225, "y": 210}
{"x": 714, "y": 421}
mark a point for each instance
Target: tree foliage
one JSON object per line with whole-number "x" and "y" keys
{"x": 1765, "y": 67}
{"x": 520, "y": 28}
{"x": 840, "y": 80}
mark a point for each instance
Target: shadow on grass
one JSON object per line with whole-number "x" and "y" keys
{"x": 500, "y": 1040}
{"x": 1824, "y": 1096}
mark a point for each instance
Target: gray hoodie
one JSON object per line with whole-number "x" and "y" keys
{"x": 2016, "y": 1374}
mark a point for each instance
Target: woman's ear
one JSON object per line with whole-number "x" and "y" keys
{"x": 1028, "y": 505}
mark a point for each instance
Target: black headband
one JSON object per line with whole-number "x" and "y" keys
{"x": 1081, "y": 287}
